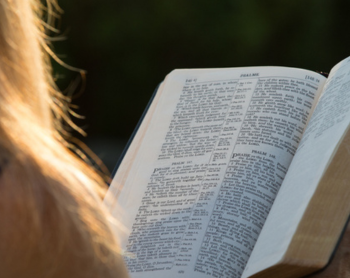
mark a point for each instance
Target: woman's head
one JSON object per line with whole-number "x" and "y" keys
{"x": 24, "y": 68}
{"x": 44, "y": 184}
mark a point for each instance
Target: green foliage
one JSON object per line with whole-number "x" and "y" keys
{"x": 128, "y": 47}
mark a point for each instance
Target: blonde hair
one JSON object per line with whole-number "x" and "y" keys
{"x": 53, "y": 221}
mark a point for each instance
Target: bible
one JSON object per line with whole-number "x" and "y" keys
{"x": 237, "y": 172}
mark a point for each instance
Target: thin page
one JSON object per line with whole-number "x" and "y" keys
{"x": 328, "y": 123}
{"x": 214, "y": 152}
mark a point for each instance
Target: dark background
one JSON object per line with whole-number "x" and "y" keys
{"x": 127, "y": 47}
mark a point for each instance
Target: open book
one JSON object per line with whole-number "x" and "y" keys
{"x": 237, "y": 172}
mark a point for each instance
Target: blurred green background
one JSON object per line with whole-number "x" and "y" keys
{"x": 127, "y": 48}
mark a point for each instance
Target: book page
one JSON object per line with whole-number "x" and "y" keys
{"x": 213, "y": 154}
{"x": 327, "y": 126}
